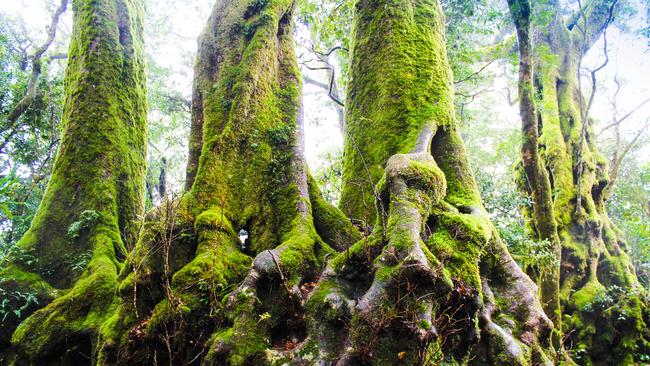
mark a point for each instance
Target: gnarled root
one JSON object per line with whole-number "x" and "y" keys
{"x": 265, "y": 311}
{"x": 72, "y": 320}
{"x": 170, "y": 306}
{"x": 422, "y": 289}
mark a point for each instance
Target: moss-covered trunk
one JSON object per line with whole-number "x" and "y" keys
{"x": 603, "y": 307}
{"x": 219, "y": 276}
{"x": 537, "y": 183}
{"x": 432, "y": 282}
{"x": 71, "y": 255}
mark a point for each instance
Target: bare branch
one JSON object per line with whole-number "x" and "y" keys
{"x": 329, "y": 52}
{"x": 332, "y": 93}
{"x": 30, "y": 94}
{"x": 618, "y": 158}
{"x": 475, "y": 73}
{"x": 592, "y": 19}
{"x": 626, "y": 116}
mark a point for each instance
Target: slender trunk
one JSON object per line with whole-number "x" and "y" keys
{"x": 89, "y": 212}
{"x": 537, "y": 184}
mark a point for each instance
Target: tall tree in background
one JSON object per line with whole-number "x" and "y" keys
{"x": 568, "y": 181}
{"x": 533, "y": 166}
{"x": 89, "y": 213}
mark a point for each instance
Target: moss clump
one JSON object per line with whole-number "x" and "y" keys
{"x": 588, "y": 295}
{"x": 73, "y": 315}
{"x": 458, "y": 244}
{"x": 330, "y": 223}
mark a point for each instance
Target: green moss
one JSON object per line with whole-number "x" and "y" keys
{"x": 588, "y": 294}
{"x": 401, "y": 85}
{"x": 249, "y": 120}
{"x": 330, "y": 223}
{"x": 360, "y": 251}
{"x": 101, "y": 161}
{"x": 458, "y": 244}
{"x": 75, "y": 314}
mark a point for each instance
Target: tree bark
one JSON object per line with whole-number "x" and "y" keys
{"x": 604, "y": 324}
{"x": 537, "y": 184}
{"x": 89, "y": 212}
{"x": 246, "y": 176}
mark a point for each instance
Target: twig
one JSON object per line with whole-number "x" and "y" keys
{"x": 30, "y": 94}
{"x": 475, "y": 73}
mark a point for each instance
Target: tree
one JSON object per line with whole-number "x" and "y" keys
{"x": 567, "y": 179}
{"x": 246, "y": 176}
{"x": 88, "y": 217}
{"x": 252, "y": 266}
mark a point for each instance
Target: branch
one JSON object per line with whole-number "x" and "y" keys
{"x": 584, "y": 110}
{"x": 616, "y": 163}
{"x": 312, "y": 81}
{"x": 58, "y": 56}
{"x": 329, "y": 52}
{"x": 626, "y": 116}
{"x": 472, "y": 96}
{"x": 330, "y": 89}
{"x": 30, "y": 94}
{"x": 511, "y": 101}
{"x": 593, "y": 77}
{"x": 594, "y": 17}
{"x": 475, "y": 73}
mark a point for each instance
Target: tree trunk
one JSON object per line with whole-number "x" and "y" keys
{"x": 538, "y": 185}
{"x": 603, "y": 306}
{"x": 88, "y": 217}
{"x": 247, "y": 177}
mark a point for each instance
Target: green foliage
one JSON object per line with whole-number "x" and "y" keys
{"x": 628, "y": 208}
{"x": 27, "y": 147}
{"x": 7, "y": 187}
{"x": 330, "y": 25}
{"x": 14, "y": 300}
{"x": 281, "y": 134}
{"x": 328, "y": 175}
{"x": 23, "y": 299}
{"x": 169, "y": 125}
{"x": 504, "y": 202}
{"x": 470, "y": 29}
{"x": 86, "y": 219}
{"x": 79, "y": 263}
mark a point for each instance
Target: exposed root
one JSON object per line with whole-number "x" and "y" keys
{"x": 430, "y": 295}
{"x": 71, "y": 320}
